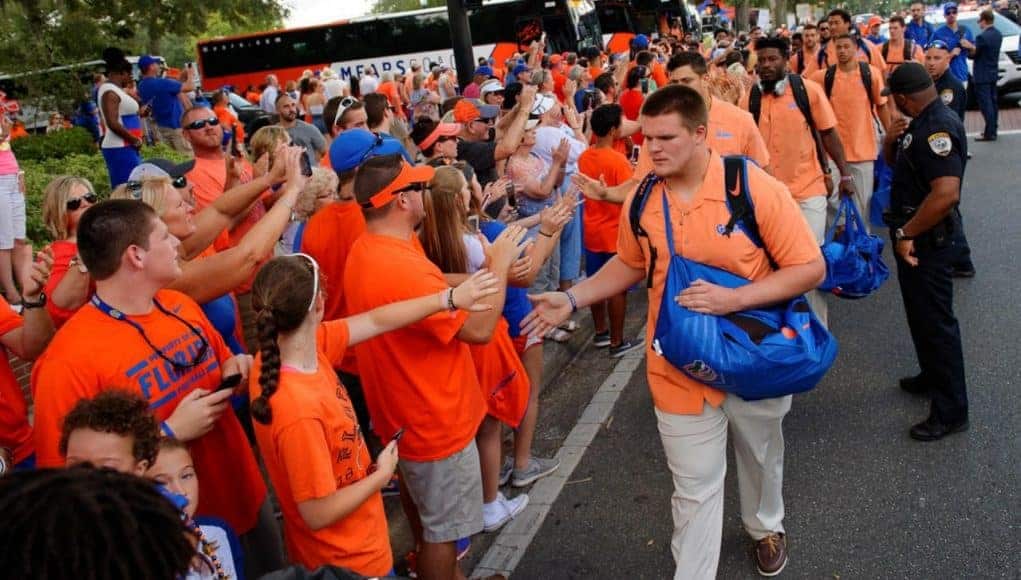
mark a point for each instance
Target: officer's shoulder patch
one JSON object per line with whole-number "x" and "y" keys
{"x": 947, "y": 96}
{"x": 906, "y": 142}
{"x": 940, "y": 143}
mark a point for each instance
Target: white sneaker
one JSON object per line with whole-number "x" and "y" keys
{"x": 500, "y": 511}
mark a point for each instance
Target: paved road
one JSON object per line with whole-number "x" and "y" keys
{"x": 863, "y": 500}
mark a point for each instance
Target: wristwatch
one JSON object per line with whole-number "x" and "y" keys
{"x": 899, "y": 235}
{"x": 37, "y": 304}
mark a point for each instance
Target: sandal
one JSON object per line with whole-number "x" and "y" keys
{"x": 558, "y": 335}
{"x": 570, "y": 326}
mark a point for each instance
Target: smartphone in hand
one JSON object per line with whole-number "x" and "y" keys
{"x": 229, "y": 382}
{"x": 473, "y": 224}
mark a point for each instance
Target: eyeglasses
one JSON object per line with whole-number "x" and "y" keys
{"x": 76, "y": 202}
{"x": 201, "y": 124}
{"x": 315, "y": 277}
{"x": 345, "y": 104}
{"x": 938, "y": 44}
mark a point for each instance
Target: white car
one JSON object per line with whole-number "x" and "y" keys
{"x": 1010, "y": 61}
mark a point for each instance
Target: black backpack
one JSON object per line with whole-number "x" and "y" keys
{"x": 909, "y": 47}
{"x": 739, "y": 202}
{"x": 804, "y": 105}
{"x": 866, "y": 79}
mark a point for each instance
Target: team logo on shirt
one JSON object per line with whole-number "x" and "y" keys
{"x": 940, "y": 143}
{"x": 947, "y": 96}
{"x": 724, "y": 135}
{"x": 700, "y": 371}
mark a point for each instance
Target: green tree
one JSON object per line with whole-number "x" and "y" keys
{"x": 392, "y": 6}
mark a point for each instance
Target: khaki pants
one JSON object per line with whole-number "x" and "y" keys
{"x": 696, "y": 452}
{"x": 814, "y": 210}
{"x": 864, "y": 181}
{"x": 174, "y": 138}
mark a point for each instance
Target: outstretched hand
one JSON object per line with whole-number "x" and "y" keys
{"x": 549, "y": 310}
{"x": 479, "y": 285}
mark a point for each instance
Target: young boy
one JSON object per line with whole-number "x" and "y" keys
{"x": 601, "y": 218}
{"x": 113, "y": 430}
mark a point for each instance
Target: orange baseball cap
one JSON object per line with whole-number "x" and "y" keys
{"x": 410, "y": 178}
{"x": 874, "y": 20}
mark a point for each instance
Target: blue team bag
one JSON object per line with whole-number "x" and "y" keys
{"x": 854, "y": 258}
{"x": 754, "y": 354}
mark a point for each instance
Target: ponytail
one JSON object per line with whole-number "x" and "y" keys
{"x": 269, "y": 371}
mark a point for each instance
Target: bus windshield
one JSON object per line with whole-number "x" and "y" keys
{"x": 393, "y": 43}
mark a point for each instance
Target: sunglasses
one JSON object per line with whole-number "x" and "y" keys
{"x": 315, "y": 277}
{"x": 76, "y": 202}
{"x": 345, "y": 104}
{"x": 201, "y": 124}
{"x": 938, "y": 44}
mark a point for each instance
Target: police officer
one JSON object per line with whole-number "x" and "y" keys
{"x": 953, "y": 94}
{"x": 928, "y": 156}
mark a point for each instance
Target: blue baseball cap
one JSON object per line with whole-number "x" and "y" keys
{"x": 352, "y": 147}
{"x": 641, "y": 42}
{"x": 145, "y": 61}
{"x": 948, "y": 7}
{"x": 484, "y": 71}
{"x": 521, "y": 68}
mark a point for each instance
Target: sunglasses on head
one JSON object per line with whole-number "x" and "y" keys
{"x": 201, "y": 123}
{"x": 345, "y": 104}
{"x": 76, "y": 202}
{"x": 938, "y": 44}
{"x": 375, "y": 145}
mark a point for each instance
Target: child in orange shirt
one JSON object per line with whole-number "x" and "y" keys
{"x": 306, "y": 427}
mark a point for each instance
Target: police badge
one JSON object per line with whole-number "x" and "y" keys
{"x": 940, "y": 143}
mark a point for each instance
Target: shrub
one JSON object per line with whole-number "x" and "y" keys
{"x": 76, "y": 141}
{"x": 90, "y": 165}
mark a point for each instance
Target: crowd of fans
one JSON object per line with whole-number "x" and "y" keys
{"x": 340, "y": 295}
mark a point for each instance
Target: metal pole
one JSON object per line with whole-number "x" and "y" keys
{"x": 461, "y": 41}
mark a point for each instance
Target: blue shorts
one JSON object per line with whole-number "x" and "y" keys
{"x": 119, "y": 163}
{"x": 596, "y": 260}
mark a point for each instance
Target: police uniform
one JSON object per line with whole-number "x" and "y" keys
{"x": 954, "y": 95}
{"x": 933, "y": 146}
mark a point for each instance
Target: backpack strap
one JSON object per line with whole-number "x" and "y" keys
{"x": 831, "y": 76}
{"x": 801, "y": 60}
{"x": 755, "y": 102}
{"x": 885, "y": 50}
{"x": 635, "y": 217}
{"x": 739, "y": 202}
{"x": 804, "y": 104}
{"x": 866, "y": 79}
{"x": 909, "y": 48}
{"x": 864, "y": 48}
{"x": 822, "y": 58}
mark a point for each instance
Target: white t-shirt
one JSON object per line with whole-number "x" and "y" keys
{"x": 223, "y": 554}
{"x": 368, "y": 84}
{"x": 127, "y": 107}
{"x": 334, "y": 88}
{"x": 476, "y": 253}
{"x": 268, "y": 100}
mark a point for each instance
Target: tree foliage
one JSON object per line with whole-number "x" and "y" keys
{"x": 393, "y": 6}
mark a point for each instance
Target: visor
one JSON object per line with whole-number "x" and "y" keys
{"x": 409, "y": 177}
{"x": 441, "y": 130}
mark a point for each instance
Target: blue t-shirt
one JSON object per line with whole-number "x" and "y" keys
{"x": 958, "y": 64}
{"x": 920, "y": 33}
{"x": 162, "y": 93}
{"x": 516, "y": 306}
{"x": 222, "y": 314}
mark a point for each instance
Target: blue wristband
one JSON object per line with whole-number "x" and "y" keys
{"x": 574, "y": 302}
{"x": 167, "y": 430}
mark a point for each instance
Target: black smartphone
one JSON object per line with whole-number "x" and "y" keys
{"x": 473, "y": 224}
{"x": 397, "y": 436}
{"x": 229, "y": 382}
{"x": 636, "y": 150}
{"x": 234, "y": 143}
{"x": 306, "y": 166}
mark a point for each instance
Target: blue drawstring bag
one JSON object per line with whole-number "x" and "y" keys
{"x": 754, "y": 354}
{"x": 880, "y": 201}
{"x": 854, "y": 259}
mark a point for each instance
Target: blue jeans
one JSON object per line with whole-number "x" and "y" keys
{"x": 986, "y": 95}
{"x": 570, "y": 249}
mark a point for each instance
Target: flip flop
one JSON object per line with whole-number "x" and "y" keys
{"x": 558, "y": 335}
{"x": 570, "y": 326}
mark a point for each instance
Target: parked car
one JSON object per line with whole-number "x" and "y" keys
{"x": 251, "y": 116}
{"x": 1010, "y": 61}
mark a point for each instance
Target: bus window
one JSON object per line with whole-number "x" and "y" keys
{"x": 614, "y": 18}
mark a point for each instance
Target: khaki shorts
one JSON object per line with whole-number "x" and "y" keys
{"x": 448, "y": 494}
{"x": 174, "y": 138}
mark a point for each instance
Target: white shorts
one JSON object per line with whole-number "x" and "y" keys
{"x": 12, "y": 211}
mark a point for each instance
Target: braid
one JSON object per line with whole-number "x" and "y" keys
{"x": 89, "y": 524}
{"x": 269, "y": 371}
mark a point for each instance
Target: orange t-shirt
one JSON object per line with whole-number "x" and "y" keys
{"x": 601, "y": 218}
{"x": 209, "y": 181}
{"x": 389, "y": 89}
{"x": 631, "y": 103}
{"x": 15, "y": 432}
{"x": 502, "y": 377}
{"x": 873, "y": 57}
{"x": 420, "y": 377}
{"x": 329, "y": 235}
{"x": 731, "y": 132}
{"x": 895, "y": 54}
{"x": 314, "y": 447}
{"x": 74, "y": 367}
{"x": 227, "y": 119}
{"x": 63, "y": 251}
{"x": 855, "y": 117}
{"x": 658, "y": 74}
{"x": 783, "y": 229}
{"x": 789, "y": 141}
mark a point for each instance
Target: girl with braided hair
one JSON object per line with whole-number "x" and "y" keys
{"x": 306, "y": 428}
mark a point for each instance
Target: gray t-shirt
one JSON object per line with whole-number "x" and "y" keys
{"x": 310, "y": 138}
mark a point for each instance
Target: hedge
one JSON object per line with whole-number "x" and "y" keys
{"x": 44, "y": 157}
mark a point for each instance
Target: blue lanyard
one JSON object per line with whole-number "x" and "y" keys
{"x": 120, "y": 316}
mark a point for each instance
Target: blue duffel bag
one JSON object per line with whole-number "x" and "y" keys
{"x": 854, "y": 258}
{"x": 754, "y": 354}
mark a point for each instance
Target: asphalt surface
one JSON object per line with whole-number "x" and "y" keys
{"x": 863, "y": 500}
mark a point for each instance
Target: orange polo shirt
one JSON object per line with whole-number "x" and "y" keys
{"x": 855, "y": 117}
{"x": 789, "y": 141}
{"x": 874, "y": 56}
{"x": 782, "y": 227}
{"x": 895, "y": 54}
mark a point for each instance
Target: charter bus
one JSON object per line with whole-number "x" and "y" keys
{"x": 394, "y": 42}
{"x": 621, "y": 20}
